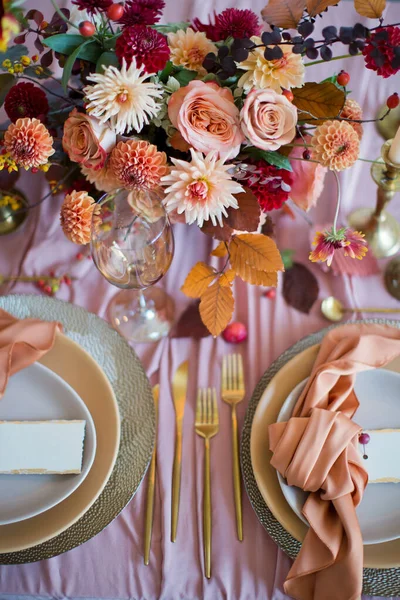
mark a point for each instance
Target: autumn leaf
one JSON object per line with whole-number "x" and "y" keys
{"x": 247, "y": 216}
{"x": 223, "y": 234}
{"x": 257, "y": 250}
{"x": 190, "y": 324}
{"x": 268, "y": 227}
{"x": 316, "y": 7}
{"x": 372, "y": 9}
{"x": 283, "y": 13}
{"x": 216, "y": 307}
{"x": 300, "y": 288}
{"x": 252, "y": 276}
{"x": 220, "y": 251}
{"x": 198, "y": 280}
{"x": 227, "y": 277}
{"x": 316, "y": 100}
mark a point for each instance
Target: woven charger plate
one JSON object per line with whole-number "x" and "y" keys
{"x": 380, "y": 582}
{"x": 135, "y": 403}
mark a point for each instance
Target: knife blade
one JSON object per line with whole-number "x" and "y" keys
{"x": 179, "y": 390}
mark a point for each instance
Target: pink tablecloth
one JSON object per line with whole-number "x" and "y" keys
{"x": 111, "y": 565}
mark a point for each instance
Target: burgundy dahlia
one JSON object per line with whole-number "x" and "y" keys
{"x": 93, "y": 6}
{"x": 270, "y": 185}
{"x": 379, "y": 52}
{"x": 26, "y": 100}
{"x": 142, "y": 12}
{"x": 233, "y": 22}
{"x": 146, "y": 45}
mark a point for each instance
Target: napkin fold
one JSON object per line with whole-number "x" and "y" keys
{"x": 22, "y": 342}
{"x": 316, "y": 450}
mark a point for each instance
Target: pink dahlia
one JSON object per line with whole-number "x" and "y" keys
{"x": 233, "y": 22}
{"x": 146, "y": 45}
{"x": 26, "y": 100}
{"x": 141, "y": 12}
{"x": 379, "y": 51}
{"x": 270, "y": 185}
{"x": 28, "y": 142}
{"x": 93, "y": 6}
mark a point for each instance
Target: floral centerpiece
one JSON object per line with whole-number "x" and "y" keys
{"x": 215, "y": 115}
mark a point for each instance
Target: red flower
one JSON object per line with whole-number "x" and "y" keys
{"x": 270, "y": 185}
{"x": 231, "y": 22}
{"x": 26, "y": 100}
{"x": 93, "y": 6}
{"x": 142, "y": 12}
{"x": 379, "y": 51}
{"x": 146, "y": 45}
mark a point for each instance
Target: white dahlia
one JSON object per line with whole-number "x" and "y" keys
{"x": 202, "y": 189}
{"x": 123, "y": 97}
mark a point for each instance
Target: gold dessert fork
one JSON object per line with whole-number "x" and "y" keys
{"x": 232, "y": 393}
{"x": 206, "y": 426}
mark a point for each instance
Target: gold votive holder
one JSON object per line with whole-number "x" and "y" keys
{"x": 13, "y": 210}
{"x": 381, "y": 229}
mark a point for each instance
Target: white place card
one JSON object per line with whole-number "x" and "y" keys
{"x": 382, "y": 450}
{"x": 41, "y": 447}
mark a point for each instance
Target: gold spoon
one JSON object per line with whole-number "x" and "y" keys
{"x": 333, "y": 309}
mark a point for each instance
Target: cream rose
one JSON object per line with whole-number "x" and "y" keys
{"x": 207, "y": 118}
{"x": 268, "y": 119}
{"x": 86, "y": 140}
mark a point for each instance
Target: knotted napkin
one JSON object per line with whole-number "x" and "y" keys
{"x": 22, "y": 342}
{"x": 316, "y": 450}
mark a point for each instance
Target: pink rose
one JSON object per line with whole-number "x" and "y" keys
{"x": 268, "y": 119}
{"x": 308, "y": 180}
{"x": 86, "y": 140}
{"x": 207, "y": 118}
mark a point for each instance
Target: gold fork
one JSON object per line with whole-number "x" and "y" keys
{"x": 232, "y": 393}
{"x": 207, "y": 425}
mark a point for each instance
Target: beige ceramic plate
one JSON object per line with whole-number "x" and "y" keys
{"x": 84, "y": 375}
{"x": 295, "y": 370}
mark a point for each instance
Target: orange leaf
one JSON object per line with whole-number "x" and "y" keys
{"x": 372, "y": 9}
{"x": 254, "y": 277}
{"x": 316, "y": 7}
{"x": 247, "y": 216}
{"x": 198, "y": 280}
{"x": 257, "y": 250}
{"x": 216, "y": 307}
{"x": 227, "y": 277}
{"x": 316, "y": 100}
{"x": 220, "y": 251}
{"x": 283, "y": 13}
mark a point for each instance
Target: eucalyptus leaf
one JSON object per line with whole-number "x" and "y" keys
{"x": 14, "y": 53}
{"x": 6, "y": 82}
{"x": 105, "y": 60}
{"x": 272, "y": 158}
{"x": 31, "y": 72}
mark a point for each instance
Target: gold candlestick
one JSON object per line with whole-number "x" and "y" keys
{"x": 382, "y": 230}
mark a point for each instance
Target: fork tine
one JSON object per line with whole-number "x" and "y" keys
{"x": 209, "y": 407}
{"x": 235, "y": 371}
{"x": 215, "y": 408}
{"x": 199, "y": 407}
{"x": 230, "y": 371}
{"x": 224, "y": 374}
{"x": 240, "y": 372}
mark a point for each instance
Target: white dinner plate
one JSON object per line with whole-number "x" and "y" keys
{"x": 34, "y": 394}
{"x": 378, "y": 392}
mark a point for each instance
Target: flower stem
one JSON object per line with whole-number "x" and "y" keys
{"x": 337, "y": 204}
{"x": 318, "y": 62}
{"x": 47, "y": 89}
{"x": 304, "y": 160}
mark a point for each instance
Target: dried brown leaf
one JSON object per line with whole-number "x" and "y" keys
{"x": 190, "y": 324}
{"x": 223, "y": 234}
{"x": 257, "y": 250}
{"x": 300, "y": 288}
{"x": 216, "y": 307}
{"x": 372, "y": 9}
{"x": 247, "y": 216}
{"x": 316, "y": 7}
{"x": 198, "y": 280}
{"x": 283, "y": 13}
{"x": 316, "y": 100}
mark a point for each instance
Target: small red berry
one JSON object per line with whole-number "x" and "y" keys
{"x": 52, "y": 274}
{"x": 87, "y": 29}
{"x": 288, "y": 94}
{"x": 306, "y": 155}
{"x": 270, "y": 294}
{"x": 41, "y": 283}
{"x": 80, "y": 256}
{"x": 34, "y": 170}
{"x": 364, "y": 439}
{"x": 67, "y": 280}
{"x": 393, "y": 101}
{"x": 235, "y": 333}
{"x": 115, "y": 12}
{"x": 47, "y": 289}
{"x": 343, "y": 78}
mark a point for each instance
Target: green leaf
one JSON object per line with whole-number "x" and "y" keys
{"x": 272, "y": 158}
{"x": 166, "y": 72}
{"x": 105, "y": 60}
{"x": 287, "y": 258}
{"x": 69, "y": 63}
{"x": 184, "y": 76}
{"x": 31, "y": 72}
{"x": 65, "y": 43}
{"x": 14, "y": 53}
{"x": 90, "y": 51}
{"x": 6, "y": 82}
{"x": 109, "y": 43}
{"x": 171, "y": 27}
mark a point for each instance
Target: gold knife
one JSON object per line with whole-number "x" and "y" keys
{"x": 179, "y": 388}
{"x": 150, "y": 487}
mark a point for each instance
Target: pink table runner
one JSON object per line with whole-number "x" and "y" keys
{"x": 111, "y": 564}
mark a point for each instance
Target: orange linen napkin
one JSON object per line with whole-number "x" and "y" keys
{"x": 22, "y": 342}
{"x": 316, "y": 450}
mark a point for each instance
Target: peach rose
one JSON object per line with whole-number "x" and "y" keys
{"x": 86, "y": 140}
{"x": 308, "y": 179}
{"x": 268, "y": 119}
{"x": 207, "y": 118}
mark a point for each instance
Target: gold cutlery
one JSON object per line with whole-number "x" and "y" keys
{"x": 207, "y": 426}
{"x": 333, "y": 309}
{"x": 179, "y": 388}
{"x": 232, "y": 393}
{"x": 151, "y": 487}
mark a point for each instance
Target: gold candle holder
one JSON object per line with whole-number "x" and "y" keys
{"x": 381, "y": 229}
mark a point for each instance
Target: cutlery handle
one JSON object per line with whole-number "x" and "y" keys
{"x": 176, "y": 483}
{"x": 207, "y": 510}
{"x": 372, "y": 310}
{"x": 149, "y": 508}
{"x": 236, "y": 475}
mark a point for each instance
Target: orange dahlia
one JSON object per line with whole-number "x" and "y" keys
{"x": 352, "y": 110}
{"x": 76, "y": 216}
{"x": 28, "y": 142}
{"x": 335, "y": 145}
{"x": 138, "y": 165}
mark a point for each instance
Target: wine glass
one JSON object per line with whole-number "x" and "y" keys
{"x": 132, "y": 246}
